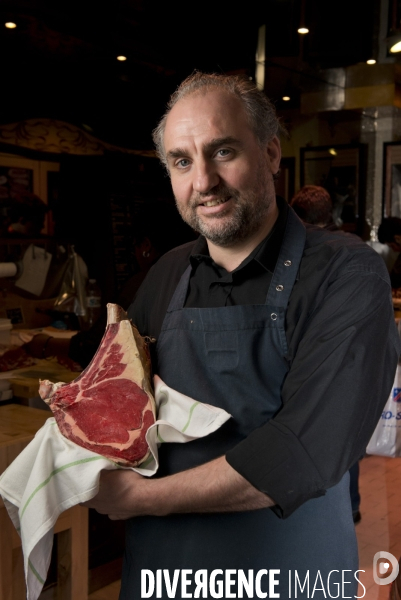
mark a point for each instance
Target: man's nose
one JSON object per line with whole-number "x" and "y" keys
{"x": 205, "y": 177}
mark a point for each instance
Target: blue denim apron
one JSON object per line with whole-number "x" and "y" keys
{"x": 235, "y": 358}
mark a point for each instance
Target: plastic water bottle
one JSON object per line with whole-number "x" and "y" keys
{"x": 93, "y": 302}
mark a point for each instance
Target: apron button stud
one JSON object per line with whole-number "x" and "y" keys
{"x": 273, "y": 317}
{"x": 287, "y": 263}
{"x": 279, "y": 288}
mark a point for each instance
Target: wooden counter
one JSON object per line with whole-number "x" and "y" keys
{"x": 25, "y": 381}
{"x": 18, "y": 425}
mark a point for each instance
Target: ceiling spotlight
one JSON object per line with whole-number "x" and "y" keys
{"x": 371, "y": 61}
{"x": 333, "y": 151}
{"x": 10, "y": 25}
{"x": 303, "y": 30}
{"x": 121, "y": 58}
{"x": 286, "y": 98}
{"x": 396, "y": 48}
{"x": 394, "y": 41}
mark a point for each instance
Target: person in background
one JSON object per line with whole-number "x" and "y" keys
{"x": 389, "y": 233}
{"x": 314, "y": 206}
{"x": 157, "y": 228}
{"x": 26, "y": 216}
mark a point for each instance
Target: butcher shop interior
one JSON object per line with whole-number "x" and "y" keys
{"x": 86, "y": 207}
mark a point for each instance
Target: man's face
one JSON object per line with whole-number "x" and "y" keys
{"x": 221, "y": 177}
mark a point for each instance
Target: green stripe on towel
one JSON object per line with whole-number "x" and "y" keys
{"x": 34, "y": 571}
{"x": 190, "y": 416}
{"x": 55, "y": 472}
{"x": 191, "y": 410}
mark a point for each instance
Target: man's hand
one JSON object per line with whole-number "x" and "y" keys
{"x": 114, "y": 496}
{"x": 212, "y": 487}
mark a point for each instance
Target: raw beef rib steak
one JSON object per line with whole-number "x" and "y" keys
{"x": 109, "y": 407}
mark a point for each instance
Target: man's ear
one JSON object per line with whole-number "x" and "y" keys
{"x": 274, "y": 154}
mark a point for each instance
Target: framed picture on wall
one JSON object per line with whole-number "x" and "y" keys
{"x": 392, "y": 179}
{"x": 341, "y": 170}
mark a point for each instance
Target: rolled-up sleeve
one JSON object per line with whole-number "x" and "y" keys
{"x": 341, "y": 372}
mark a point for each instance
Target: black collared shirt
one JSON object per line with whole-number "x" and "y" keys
{"x": 343, "y": 350}
{"x": 212, "y": 286}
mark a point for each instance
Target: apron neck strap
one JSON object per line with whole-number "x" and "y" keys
{"x": 289, "y": 259}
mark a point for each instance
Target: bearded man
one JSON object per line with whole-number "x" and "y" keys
{"x": 278, "y": 323}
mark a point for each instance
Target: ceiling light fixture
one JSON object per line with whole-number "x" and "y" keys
{"x": 121, "y": 58}
{"x": 394, "y": 41}
{"x": 395, "y": 48}
{"x": 333, "y": 151}
{"x": 371, "y": 61}
{"x": 302, "y": 29}
{"x": 286, "y": 98}
{"x": 10, "y": 25}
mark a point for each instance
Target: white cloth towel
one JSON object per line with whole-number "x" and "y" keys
{"x": 53, "y": 474}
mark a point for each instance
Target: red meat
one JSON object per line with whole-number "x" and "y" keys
{"x": 109, "y": 407}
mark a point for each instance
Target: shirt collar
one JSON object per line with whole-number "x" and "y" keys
{"x": 266, "y": 253}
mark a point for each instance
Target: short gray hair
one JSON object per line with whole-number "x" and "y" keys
{"x": 260, "y": 111}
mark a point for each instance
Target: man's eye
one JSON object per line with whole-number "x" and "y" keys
{"x": 223, "y": 152}
{"x": 182, "y": 163}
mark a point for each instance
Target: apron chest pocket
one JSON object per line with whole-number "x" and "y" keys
{"x": 221, "y": 350}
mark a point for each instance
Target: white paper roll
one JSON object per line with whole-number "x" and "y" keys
{"x": 8, "y": 269}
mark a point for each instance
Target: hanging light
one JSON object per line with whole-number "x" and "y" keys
{"x": 302, "y": 29}
{"x": 121, "y": 58}
{"x": 10, "y": 25}
{"x": 371, "y": 61}
{"x": 286, "y": 98}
